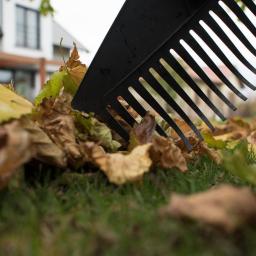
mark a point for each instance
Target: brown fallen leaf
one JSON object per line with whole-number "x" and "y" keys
{"x": 233, "y": 129}
{"x": 164, "y": 153}
{"x": 142, "y": 132}
{"x": 200, "y": 148}
{"x": 185, "y": 128}
{"x": 15, "y": 150}
{"x": 43, "y": 147}
{"x": 56, "y": 119}
{"x": 74, "y": 66}
{"x": 121, "y": 168}
{"x": 225, "y": 207}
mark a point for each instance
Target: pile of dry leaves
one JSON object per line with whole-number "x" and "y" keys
{"x": 51, "y": 132}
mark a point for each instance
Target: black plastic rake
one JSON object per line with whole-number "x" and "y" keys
{"x": 141, "y": 39}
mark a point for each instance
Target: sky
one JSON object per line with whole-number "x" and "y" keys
{"x": 87, "y": 20}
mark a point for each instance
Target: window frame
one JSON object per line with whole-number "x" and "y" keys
{"x": 31, "y": 72}
{"x": 25, "y": 35}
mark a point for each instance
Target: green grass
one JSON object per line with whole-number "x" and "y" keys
{"x": 85, "y": 215}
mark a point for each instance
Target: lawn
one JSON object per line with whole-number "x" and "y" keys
{"x": 83, "y": 214}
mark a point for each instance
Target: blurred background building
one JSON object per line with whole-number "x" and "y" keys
{"x": 30, "y": 47}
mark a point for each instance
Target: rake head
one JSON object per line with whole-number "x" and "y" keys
{"x": 145, "y": 38}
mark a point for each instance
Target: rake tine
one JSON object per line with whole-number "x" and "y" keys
{"x": 175, "y": 106}
{"x": 250, "y": 5}
{"x": 122, "y": 112}
{"x": 155, "y": 105}
{"x": 199, "y": 50}
{"x": 185, "y": 76}
{"x": 240, "y": 14}
{"x": 211, "y": 43}
{"x": 164, "y": 94}
{"x": 114, "y": 125}
{"x": 197, "y": 69}
{"x": 140, "y": 110}
{"x": 175, "y": 86}
{"x": 218, "y": 10}
{"x": 226, "y": 40}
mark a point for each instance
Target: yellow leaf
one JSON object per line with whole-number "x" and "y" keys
{"x": 121, "y": 168}
{"x": 12, "y": 106}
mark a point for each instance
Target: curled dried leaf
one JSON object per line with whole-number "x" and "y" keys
{"x": 75, "y": 67}
{"x": 45, "y": 150}
{"x": 56, "y": 120}
{"x": 200, "y": 148}
{"x": 166, "y": 154}
{"x": 225, "y": 207}
{"x": 121, "y": 168}
{"x": 143, "y": 132}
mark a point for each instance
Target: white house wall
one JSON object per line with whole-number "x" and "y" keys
{"x": 9, "y": 31}
{"x": 1, "y": 21}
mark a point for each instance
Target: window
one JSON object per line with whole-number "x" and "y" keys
{"x": 27, "y": 28}
{"x": 6, "y": 76}
{"x": 24, "y": 81}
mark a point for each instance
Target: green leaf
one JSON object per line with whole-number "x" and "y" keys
{"x": 69, "y": 84}
{"x": 46, "y": 7}
{"x": 12, "y": 106}
{"x": 96, "y": 130}
{"x": 103, "y": 134}
{"x": 52, "y": 87}
{"x": 212, "y": 142}
{"x": 236, "y": 162}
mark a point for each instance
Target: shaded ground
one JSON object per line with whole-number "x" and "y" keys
{"x": 85, "y": 215}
